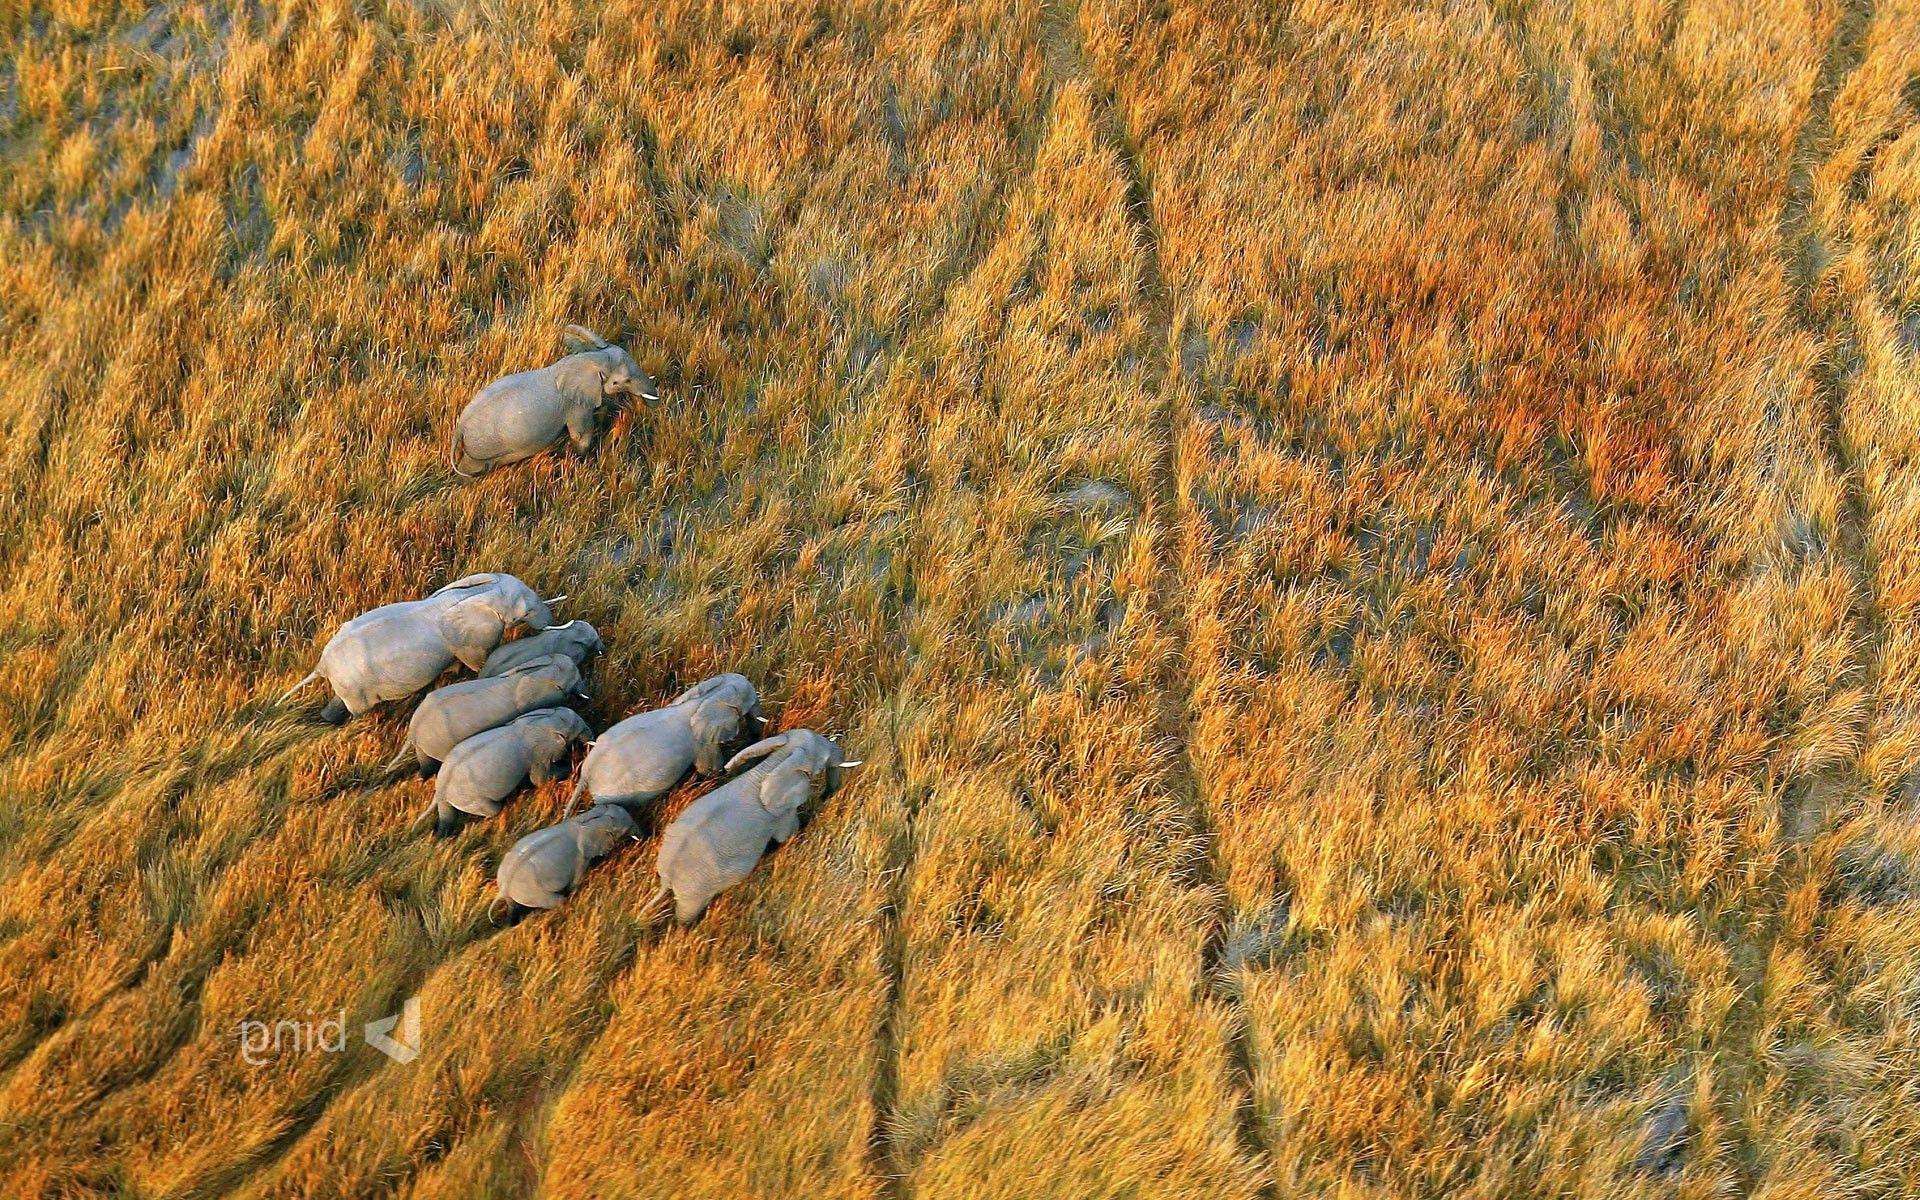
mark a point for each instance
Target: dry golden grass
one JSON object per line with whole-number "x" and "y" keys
{"x": 1365, "y": 546}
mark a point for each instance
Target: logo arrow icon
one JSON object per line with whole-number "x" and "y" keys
{"x": 406, "y": 1047}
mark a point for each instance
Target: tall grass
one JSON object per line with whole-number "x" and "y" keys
{"x": 1362, "y": 546}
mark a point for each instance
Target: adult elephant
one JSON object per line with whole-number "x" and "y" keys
{"x": 399, "y": 649}
{"x": 522, "y": 414}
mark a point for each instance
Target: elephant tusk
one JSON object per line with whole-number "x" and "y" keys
{"x": 858, "y": 762}
{"x": 557, "y": 628}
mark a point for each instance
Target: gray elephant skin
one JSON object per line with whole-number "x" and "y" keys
{"x": 483, "y": 772}
{"x": 520, "y": 415}
{"x": 546, "y": 866}
{"x": 456, "y": 712}
{"x": 575, "y": 639}
{"x": 643, "y": 757}
{"x": 398, "y": 649}
{"x": 721, "y": 837}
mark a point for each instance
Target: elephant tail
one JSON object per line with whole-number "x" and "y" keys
{"x": 288, "y": 694}
{"x": 654, "y": 911}
{"x": 426, "y": 815}
{"x": 493, "y": 911}
{"x": 406, "y": 748}
{"x": 579, "y": 789}
{"x": 459, "y": 451}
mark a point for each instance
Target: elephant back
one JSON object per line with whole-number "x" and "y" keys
{"x": 457, "y": 712}
{"x": 641, "y": 758}
{"x": 389, "y": 653}
{"x": 539, "y": 866}
{"x": 724, "y": 833}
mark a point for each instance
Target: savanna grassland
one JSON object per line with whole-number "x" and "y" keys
{"x": 1368, "y": 549}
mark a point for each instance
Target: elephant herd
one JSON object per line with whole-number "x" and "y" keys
{"x": 483, "y": 738}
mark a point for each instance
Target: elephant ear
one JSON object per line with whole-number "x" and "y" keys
{"x": 580, "y": 375}
{"x": 533, "y": 677}
{"x": 561, "y": 739}
{"x": 783, "y": 791}
{"x": 472, "y": 629}
{"x": 716, "y": 724}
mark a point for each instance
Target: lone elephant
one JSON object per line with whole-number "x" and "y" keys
{"x": 520, "y": 415}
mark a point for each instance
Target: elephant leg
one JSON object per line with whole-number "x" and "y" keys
{"x": 540, "y": 773}
{"x": 580, "y": 431}
{"x": 788, "y": 825}
{"x": 428, "y": 766}
{"x": 451, "y": 821}
{"x": 336, "y": 712}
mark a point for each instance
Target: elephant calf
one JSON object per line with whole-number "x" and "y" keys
{"x": 576, "y": 639}
{"x": 458, "y": 711}
{"x": 481, "y": 773}
{"x": 719, "y": 839}
{"x": 643, "y": 757}
{"x": 546, "y": 866}
{"x": 520, "y": 415}
{"x": 396, "y": 650}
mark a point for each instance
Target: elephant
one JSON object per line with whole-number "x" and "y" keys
{"x": 640, "y": 759}
{"x": 576, "y": 639}
{"x": 546, "y": 866}
{"x": 481, "y": 772}
{"x": 721, "y": 836}
{"x": 397, "y": 649}
{"x": 519, "y": 415}
{"x": 456, "y": 712}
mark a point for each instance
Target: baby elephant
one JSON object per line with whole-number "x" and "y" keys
{"x": 481, "y": 773}
{"x": 577, "y": 640}
{"x": 520, "y": 415}
{"x": 719, "y": 839}
{"x": 546, "y": 866}
{"x": 643, "y": 757}
{"x": 458, "y": 711}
